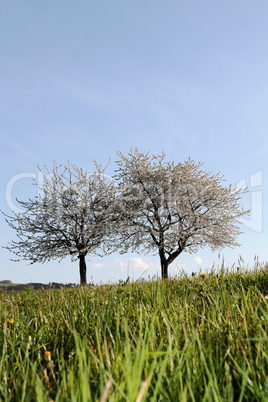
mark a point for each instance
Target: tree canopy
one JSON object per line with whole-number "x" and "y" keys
{"x": 150, "y": 206}
{"x": 168, "y": 208}
{"x": 70, "y": 218}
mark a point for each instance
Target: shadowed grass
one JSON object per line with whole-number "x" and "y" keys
{"x": 204, "y": 339}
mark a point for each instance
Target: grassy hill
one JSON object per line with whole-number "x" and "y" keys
{"x": 7, "y": 284}
{"x": 203, "y": 339}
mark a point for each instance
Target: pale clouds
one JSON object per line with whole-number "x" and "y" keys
{"x": 137, "y": 264}
{"x": 122, "y": 265}
{"x": 98, "y": 266}
{"x": 134, "y": 264}
{"x": 198, "y": 260}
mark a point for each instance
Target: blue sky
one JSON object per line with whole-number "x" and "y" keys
{"x": 81, "y": 80}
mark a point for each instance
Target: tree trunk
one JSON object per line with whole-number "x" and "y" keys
{"x": 164, "y": 265}
{"x": 83, "y": 270}
{"x": 165, "y": 262}
{"x": 164, "y": 270}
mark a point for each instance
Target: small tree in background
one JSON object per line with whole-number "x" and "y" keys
{"x": 70, "y": 218}
{"x": 168, "y": 208}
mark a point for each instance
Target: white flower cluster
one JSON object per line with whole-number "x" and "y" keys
{"x": 151, "y": 205}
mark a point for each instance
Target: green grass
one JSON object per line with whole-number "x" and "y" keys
{"x": 179, "y": 340}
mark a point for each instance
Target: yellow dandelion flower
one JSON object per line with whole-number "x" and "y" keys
{"x": 47, "y": 354}
{"x": 11, "y": 321}
{"x": 203, "y": 275}
{"x": 190, "y": 280}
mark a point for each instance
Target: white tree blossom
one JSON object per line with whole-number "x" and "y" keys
{"x": 167, "y": 208}
{"x": 153, "y": 206}
{"x": 72, "y": 217}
